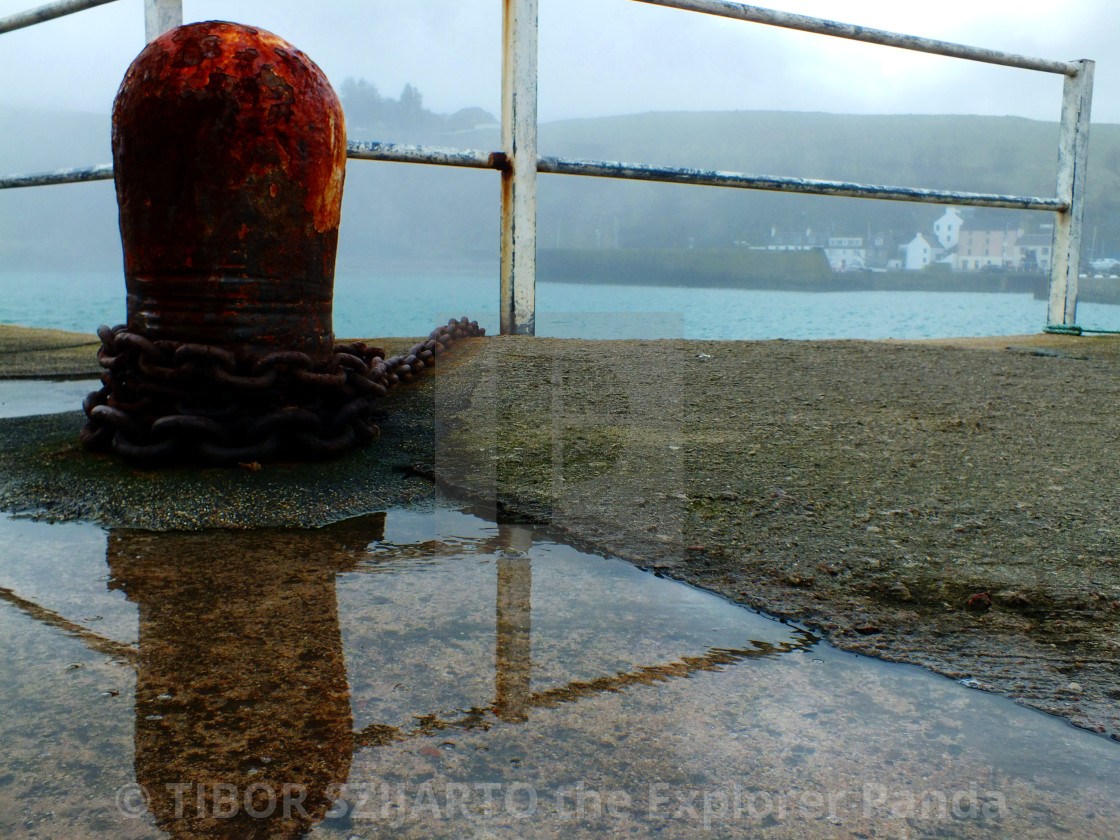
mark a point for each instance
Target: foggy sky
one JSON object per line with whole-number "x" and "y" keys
{"x": 603, "y": 57}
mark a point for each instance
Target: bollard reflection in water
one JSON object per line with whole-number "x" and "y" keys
{"x": 243, "y": 718}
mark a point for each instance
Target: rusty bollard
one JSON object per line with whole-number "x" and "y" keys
{"x": 229, "y": 151}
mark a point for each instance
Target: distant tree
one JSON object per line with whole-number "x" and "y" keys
{"x": 367, "y": 109}
{"x": 412, "y": 114}
{"x": 411, "y": 101}
{"x": 363, "y": 104}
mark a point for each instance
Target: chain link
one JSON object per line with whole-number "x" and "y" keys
{"x": 166, "y": 401}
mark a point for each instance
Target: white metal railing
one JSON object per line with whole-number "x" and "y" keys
{"x": 519, "y": 162}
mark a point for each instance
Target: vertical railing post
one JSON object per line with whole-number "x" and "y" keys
{"x": 1073, "y": 157}
{"x": 519, "y": 175}
{"x": 160, "y": 16}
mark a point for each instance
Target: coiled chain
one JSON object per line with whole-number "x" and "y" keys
{"x": 169, "y": 401}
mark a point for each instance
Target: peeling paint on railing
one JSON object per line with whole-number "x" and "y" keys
{"x": 104, "y": 172}
{"x": 1073, "y": 160}
{"x": 402, "y": 153}
{"x": 715, "y": 178}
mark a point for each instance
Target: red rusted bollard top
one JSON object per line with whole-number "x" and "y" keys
{"x": 229, "y": 148}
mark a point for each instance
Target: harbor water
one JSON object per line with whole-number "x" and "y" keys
{"x": 410, "y": 305}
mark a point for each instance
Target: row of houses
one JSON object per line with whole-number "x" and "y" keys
{"x": 844, "y": 253}
{"x": 984, "y": 241}
{"x": 981, "y": 241}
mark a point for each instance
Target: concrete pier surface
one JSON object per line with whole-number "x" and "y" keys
{"x": 946, "y": 503}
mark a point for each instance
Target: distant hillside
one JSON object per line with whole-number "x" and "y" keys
{"x": 403, "y": 212}
{"x": 981, "y": 154}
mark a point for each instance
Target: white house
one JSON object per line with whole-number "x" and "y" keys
{"x": 846, "y": 253}
{"x": 947, "y": 229}
{"x": 919, "y": 253}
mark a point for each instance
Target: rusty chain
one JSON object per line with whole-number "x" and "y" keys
{"x": 169, "y": 401}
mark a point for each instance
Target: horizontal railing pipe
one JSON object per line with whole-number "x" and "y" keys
{"x": 822, "y": 26}
{"x": 48, "y": 12}
{"x": 402, "y": 153}
{"x": 476, "y": 159}
{"x": 715, "y": 178}
{"x": 104, "y": 172}
{"x": 705, "y": 177}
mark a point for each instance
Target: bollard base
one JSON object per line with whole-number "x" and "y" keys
{"x": 167, "y": 401}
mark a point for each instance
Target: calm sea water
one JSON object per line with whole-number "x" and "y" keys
{"x": 367, "y": 306}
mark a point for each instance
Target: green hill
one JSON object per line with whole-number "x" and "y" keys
{"x": 403, "y": 212}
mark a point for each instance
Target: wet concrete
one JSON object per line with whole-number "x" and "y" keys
{"x": 436, "y": 675}
{"x": 948, "y": 504}
{"x": 31, "y": 397}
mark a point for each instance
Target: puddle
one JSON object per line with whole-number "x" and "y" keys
{"x": 435, "y": 675}
{"x": 28, "y": 397}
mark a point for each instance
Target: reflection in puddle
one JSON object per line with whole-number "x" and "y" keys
{"x": 436, "y": 675}
{"x": 240, "y": 674}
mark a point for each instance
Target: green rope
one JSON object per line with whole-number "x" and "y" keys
{"x": 1063, "y": 329}
{"x": 1073, "y": 329}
